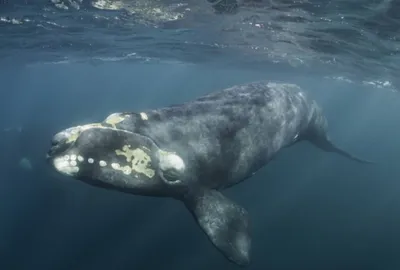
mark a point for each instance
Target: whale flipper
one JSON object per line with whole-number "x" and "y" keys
{"x": 224, "y": 222}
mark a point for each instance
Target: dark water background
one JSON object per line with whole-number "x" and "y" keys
{"x": 309, "y": 209}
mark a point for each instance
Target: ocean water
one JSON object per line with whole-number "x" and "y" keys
{"x": 68, "y": 62}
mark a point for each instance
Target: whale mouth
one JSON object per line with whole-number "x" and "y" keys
{"x": 57, "y": 149}
{"x": 62, "y": 141}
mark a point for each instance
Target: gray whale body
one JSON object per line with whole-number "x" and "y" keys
{"x": 192, "y": 151}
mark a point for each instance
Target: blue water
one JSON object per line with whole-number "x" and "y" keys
{"x": 64, "y": 63}
{"x": 355, "y": 39}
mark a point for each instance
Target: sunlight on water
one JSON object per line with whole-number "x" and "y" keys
{"x": 359, "y": 42}
{"x": 10, "y": 20}
{"x": 153, "y": 11}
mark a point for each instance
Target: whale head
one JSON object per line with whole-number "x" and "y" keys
{"x": 108, "y": 157}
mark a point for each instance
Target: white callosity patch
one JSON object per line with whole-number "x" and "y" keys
{"x": 102, "y": 163}
{"x": 115, "y": 166}
{"x": 114, "y": 119}
{"x": 68, "y": 164}
{"x": 72, "y": 134}
{"x": 138, "y": 161}
{"x": 64, "y": 166}
{"x": 171, "y": 161}
{"x": 144, "y": 116}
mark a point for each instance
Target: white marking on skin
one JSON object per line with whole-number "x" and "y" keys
{"x": 127, "y": 170}
{"x": 295, "y": 137}
{"x": 80, "y": 158}
{"x": 171, "y": 161}
{"x": 102, "y": 163}
{"x": 65, "y": 167}
{"x": 90, "y": 160}
{"x": 73, "y": 157}
{"x": 144, "y": 116}
{"x": 114, "y": 119}
{"x": 73, "y": 133}
{"x": 115, "y": 166}
{"x": 66, "y": 157}
{"x": 139, "y": 161}
{"x": 73, "y": 163}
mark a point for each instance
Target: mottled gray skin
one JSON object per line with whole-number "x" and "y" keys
{"x": 223, "y": 138}
{"x": 230, "y": 134}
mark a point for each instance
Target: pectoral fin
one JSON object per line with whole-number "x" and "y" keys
{"x": 224, "y": 222}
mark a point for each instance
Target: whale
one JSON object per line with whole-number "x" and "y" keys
{"x": 195, "y": 150}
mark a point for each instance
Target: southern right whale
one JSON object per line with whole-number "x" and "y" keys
{"x": 192, "y": 151}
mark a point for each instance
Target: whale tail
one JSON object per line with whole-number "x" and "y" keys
{"x": 324, "y": 143}
{"x": 317, "y": 134}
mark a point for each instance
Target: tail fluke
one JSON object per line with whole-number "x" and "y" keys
{"x": 326, "y": 145}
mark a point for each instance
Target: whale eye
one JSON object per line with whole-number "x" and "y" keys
{"x": 171, "y": 166}
{"x": 171, "y": 175}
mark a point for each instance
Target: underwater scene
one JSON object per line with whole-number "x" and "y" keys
{"x": 199, "y": 134}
